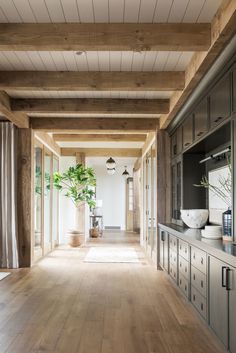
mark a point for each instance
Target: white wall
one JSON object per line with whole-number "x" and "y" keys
{"x": 111, "y": 189}
{"x": 66, "y": 206}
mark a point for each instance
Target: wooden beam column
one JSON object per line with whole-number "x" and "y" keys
{"x": 25, "y": 187}
{"x": 163, "y": 177}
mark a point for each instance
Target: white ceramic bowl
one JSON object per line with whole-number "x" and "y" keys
{"x": 195, "y": 218}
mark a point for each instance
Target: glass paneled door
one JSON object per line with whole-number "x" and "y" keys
{"x": 47, "y": 201}
{"x": 150, "y": 202}
{"x": 55, "y": 207}
{"x": 149, "y": 197}
{"x": 38, "y": 201}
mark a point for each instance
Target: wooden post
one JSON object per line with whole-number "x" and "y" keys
{"x": 163, "y": 177}
{"x": 25, "y": 196}
{"x": 80, "y": 159}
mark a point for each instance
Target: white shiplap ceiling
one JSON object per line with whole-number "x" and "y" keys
{"x": 94, "y": 61}
{"x": 91, "y": 94}
{"x": 103, "y": 144}
{"x": 98, "y": 11}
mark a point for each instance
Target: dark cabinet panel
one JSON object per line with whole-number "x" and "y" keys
{"x": 234, "y": 90}
{"x": 176, "y": 142}
{"x": 220, "y": 102}
{"x": 201, "y": 119}
{"x": 164, "y": 250}
{"x": 188, "y": 132}
{"x": 176, "y": 195}
{"x": 218, "y": 299}
{"x": 232, "y": 309}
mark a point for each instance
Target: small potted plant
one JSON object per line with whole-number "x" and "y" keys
{"x": 78, "y": 184}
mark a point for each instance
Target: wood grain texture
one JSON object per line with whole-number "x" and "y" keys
{"x": 222, "y": 30}
{"x": 100, "y": 137}
{"x": 65, "y": 305}
{"x": 94, "y": 124}
{"x": 101, "y": 152}
{"x": 91, "y": 81}
{"x": 24, "y": 195}
{"x": 19, "y": 119}
{"x": 49, "y": 142}
{"x": 91, "y": 106}
{"x": 105, "y": 37}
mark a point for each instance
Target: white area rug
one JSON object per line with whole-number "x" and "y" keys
{"x": 112, "y": 254}
{"x": 4, "y": 275}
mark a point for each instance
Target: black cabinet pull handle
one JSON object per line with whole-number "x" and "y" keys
{"x": 194, "y": 277}
{"x": 228, "y": 278}
{"x": 200, "y": 133}
{"x": 223, "y": 282}
{"x": 202, "y": 260}
{"x": 187, "y": 144}
{"x": 202, "y": 283}
{"x": 175, "y": 150}
{"x": 218, "y": 119}
{"x": 162, "y": 236}
{"x": 194, "y": 297}
{"x": 201, "y": 306}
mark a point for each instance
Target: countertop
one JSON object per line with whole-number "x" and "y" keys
{"x": 224, "y": 250}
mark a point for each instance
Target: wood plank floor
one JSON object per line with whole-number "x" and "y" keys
{"x": 65, "y": 305}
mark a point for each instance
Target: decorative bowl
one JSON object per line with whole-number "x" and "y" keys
{"x": 195, "y": 218}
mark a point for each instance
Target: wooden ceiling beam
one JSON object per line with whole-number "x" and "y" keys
{"x": 20, "y": 119}
{"x": 102, "y": 152}
{"x": 104, "y": 37}
{"x": 91, "y": 106}
{"x": 107, "y": 125}
{"x": 99, "y": 137}
{"x": 91, "y": 81}
{"x": 223, "y": 29}
{"x": 47, "y": 140}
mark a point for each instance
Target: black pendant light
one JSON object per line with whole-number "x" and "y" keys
{"x": 125, "y": 173}
{"x": 110, "y": 163}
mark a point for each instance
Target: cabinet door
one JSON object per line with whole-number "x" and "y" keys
{"x": 220, "y": 102}
{"x": 200, "y": 119}
{"x": 218, "y": 299}
{"x": 161, "y": 246}
{"x": 234, "y": 90}
{"x": 173, "y": 192}
{"x": 166, "y": 252}
{"x": 179, "y": 140}
{"x": 178, "y": 189}
{"x": 174, "y": 145}
{"x": 232, "y": 310}
{"x": 188, "y": 132}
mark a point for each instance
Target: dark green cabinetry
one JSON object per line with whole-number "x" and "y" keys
{"x": 188, "y": 132}
{"x": 220, "y": 101}
{"x": 201, "y": 119}
{"x": 176, "y": 193}
{"x": 222, "y": 302}
{"x": 176, "y": 142}
{"x": 164, "y": 250}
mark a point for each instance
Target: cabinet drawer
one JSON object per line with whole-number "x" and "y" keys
{"x": 184, "y": 285}
{"x": 173, "y": 257}
{"x": 184, "y": 249}
{"x": 198, "y": 280}
{"x": 199, "y": 302}
{"x": 173, "y": 271}
{"x": 173, "y": 242}
{"x": 198, "y": 259}
{"x": 184, "y": 267}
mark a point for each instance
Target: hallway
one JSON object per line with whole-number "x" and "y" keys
{"x": 66, "y": 305}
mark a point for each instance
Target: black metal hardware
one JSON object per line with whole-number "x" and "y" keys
{"x": 228, "y": 278}
{"x": 201, "y": 306}
{"x": 194, "y": 297}
{"x": 187, "y": 144}
{"x": 200, "y": 133}
{"x": 175, "y": 149}
{"x": 218, "y": 119}
{"x": 202, "y": 283}
{"x": 162, "y": 235}
{"x": 223, "y": 283}
{"x": 202, "y": 260}
{"x": 194, "y": 277}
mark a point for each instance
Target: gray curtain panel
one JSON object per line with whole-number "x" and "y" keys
{"x": 8, "y": 197}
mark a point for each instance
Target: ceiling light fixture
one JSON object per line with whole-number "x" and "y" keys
{"x": 125, "y": 173}
{"x": 111, "y": 171}
{"x": 110, "y": 163}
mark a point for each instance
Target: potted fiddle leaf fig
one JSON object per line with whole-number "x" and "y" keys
{"x": 77, "y": 183}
